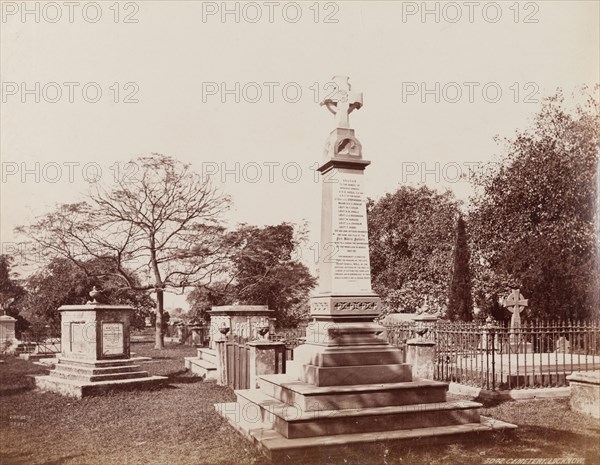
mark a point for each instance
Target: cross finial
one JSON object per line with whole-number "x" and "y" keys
{"x": 342, "y": 102}
{"x": 516, "y": 301}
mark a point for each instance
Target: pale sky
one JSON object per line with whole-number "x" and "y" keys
{"x": 178, "y": 57}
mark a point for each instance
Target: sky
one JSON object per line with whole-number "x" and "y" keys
{"x": 234, "y": 89}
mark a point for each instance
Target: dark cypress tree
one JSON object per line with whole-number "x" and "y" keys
{"x": 460, "y": 301}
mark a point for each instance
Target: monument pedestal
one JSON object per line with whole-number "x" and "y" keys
{"x": 95, "y": 353}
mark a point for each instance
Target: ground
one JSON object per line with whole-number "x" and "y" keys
{"x": 178, "y": 425}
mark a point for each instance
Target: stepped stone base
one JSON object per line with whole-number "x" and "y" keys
{"x": 80, "y": 378}
{"x": 281, "y": 449}
{"x": 204, "y": 364}
{"x": 287, "y": 418}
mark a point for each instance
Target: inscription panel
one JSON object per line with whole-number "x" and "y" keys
{"x": 350, "y": 255}
{"x": 77, "y": 337}
{"x": 113, "y": 339}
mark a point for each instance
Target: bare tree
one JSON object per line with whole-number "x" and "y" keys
{"x": 158, "y": 224}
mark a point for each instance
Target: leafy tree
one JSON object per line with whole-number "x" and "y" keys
{"x": 262, "y": 271}
{"x": 158, "y": 225}
{"x": 11, "y": 293}
{"x": 64, "y": 283}
{"x": 460, "y": 300}
{"x": 534, "y": 220}
{"x": 202, "y": 299}
{"x": 411, "y": 233}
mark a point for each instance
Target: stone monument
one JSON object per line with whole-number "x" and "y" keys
{"x": 241, "y": 320}
{"x": 95, "y": 352}
{"x": 346, "y": 385}
{"x": 516, "y": 303}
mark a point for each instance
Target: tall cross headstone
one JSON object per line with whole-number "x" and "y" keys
{"x": 516, "y": 303}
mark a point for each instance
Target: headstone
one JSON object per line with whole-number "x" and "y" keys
{"x": 7, "y": 332}
{"x": 563, "y": 346}
{"x": 345, "y": 385}
{"x": 95, "y": 352}
{"x": 516, "y": 303}
{"x": 489, "y": 335}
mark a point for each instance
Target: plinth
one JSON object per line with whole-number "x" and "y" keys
{"x": 346, "y": 386}
{"x": 95, "y": 353}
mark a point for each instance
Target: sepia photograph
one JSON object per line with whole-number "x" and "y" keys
{"x": 299, "y": 232}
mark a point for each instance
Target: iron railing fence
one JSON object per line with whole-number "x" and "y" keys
{"x": 498, "y": 357}
{"x": 495, "y": 356}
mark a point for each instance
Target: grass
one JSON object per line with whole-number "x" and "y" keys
{"x": 178, "y": 425}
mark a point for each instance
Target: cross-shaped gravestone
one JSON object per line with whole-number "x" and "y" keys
{"x": 343, "y": 101}
{"x": 515, "y": 303}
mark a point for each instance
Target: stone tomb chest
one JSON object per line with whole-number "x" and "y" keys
{"x": 95, "y": 331}
{"x": 242, "y": 320}
{"x": 95, "y": 353}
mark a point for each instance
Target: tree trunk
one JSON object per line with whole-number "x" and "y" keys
{"x": 160, "y": 335}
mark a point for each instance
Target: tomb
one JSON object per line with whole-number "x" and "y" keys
{"x": 236, "y": 320}
{"x": 95, "y": 353}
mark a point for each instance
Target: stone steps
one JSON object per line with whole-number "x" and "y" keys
{"x": 99, "y": 370}
{"x": 100, "y": 363}
{"x": 281, "y": 449}
{"x": 210, "y": 355}
{"x": 341, "y": 356}
{"x": 292, "y": 422}
{"x": 200, "y": 367}
{"x": 308, "y": 397}
{"x": 89, "y": 377}
{"x": 77, "y": 369}
{"x": 76, "y": 388}
{"x": 352, "y": 375}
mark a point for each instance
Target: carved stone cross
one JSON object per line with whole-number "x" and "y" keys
{"x": 343, "y": 101}
{"x": 515, "y": 303}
